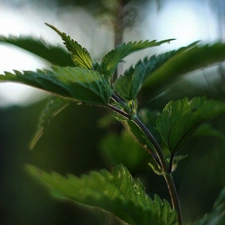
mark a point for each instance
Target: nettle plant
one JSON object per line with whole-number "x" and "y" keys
{"x": 96, "y": 83}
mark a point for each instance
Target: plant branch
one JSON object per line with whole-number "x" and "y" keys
{"x": 160, "y": 156}
{"x": 119, "y": 111}
{"x": 164, "y": 166}
{"x": 173, "y": 195}
{"x": 117, "y": 98}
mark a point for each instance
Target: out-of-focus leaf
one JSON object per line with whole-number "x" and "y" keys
{"x": 54, "y": 54}
{"x": 116, "y": 192}
{"x": 180, "y": 119}
{"x": 122, "y": 148}
{"x": 54, "y": 106}
{"x": 193, "y": 59}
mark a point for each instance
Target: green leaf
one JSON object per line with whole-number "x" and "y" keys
{"x": 71, "y": 82}
{"x": 190, "y": 60}
{"x": 54, "y": 54}
{"x": 180, "y": 119}
{"x": 54, "y": 106}
{"x": 116, "y": 192}
{"x": 80, "y": 55}
{"x": 217, "y": 215}
{"x": 112, "y": 58}
{"x": 134, "y": 78}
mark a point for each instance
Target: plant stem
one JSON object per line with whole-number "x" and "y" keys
{"x": 159, "y": 156}
{"x": 173, "y": 195}
{"x": 165, "y": 169}
{"x": 159, "y": 153}
{"x": 119, "y": 111}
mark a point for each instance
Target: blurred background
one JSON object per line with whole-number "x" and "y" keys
{"x": 72, "y": 142}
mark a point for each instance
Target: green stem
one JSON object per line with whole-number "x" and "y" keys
{"x": 165, "y": 169}
{"x": 160, "y": 156}
{"x": 119, "y": 111}
{"x": 173, "y": 195}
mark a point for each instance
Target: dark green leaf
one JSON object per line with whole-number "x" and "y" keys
{"x": 54, "y": 54}
{"x": 129, "y": 84}
{"x": 116, "y": 192}
{"x": 193, "y": 59}
{"x": 54, "y": 106}
{"x": 111, "y": 59}
{"x": 180, "y": 119}
{"x": 72, "y": 82}
{"x": 80, "y": 55}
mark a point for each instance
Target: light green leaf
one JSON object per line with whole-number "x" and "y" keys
{"x": 112, "y": 58}
{"x": 190, "y": 60}
{"x": 134, "y": 77}
{"x": 180, "y": 119}
{"x": 80, "y": 55}
{"x": 54, "y": 106}
{"x": 71, "y": 82}
{"x": 54, "y": 54}
{"x": 116, "y": 192}
{"x": 217, "y": 215}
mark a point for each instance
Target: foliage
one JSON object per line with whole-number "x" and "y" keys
{"x": 163, "y": 136}
{"x": 116, "y": 192}
{"x": 180, "y": 119}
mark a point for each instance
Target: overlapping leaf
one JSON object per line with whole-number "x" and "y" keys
{"x": 80, "y": 55}
{"x": 193, "y": 59}
{"x": 134, "y": 78}
{"x": 116, "y": 192}
{"x": 54, "y": 106}
{"x": 217, "y": 215}
{"x": 54, "y": 54}
{"x": 72, "y": 82}
{"x": 111, "y": 59}
{"x": 180, "y": 119}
